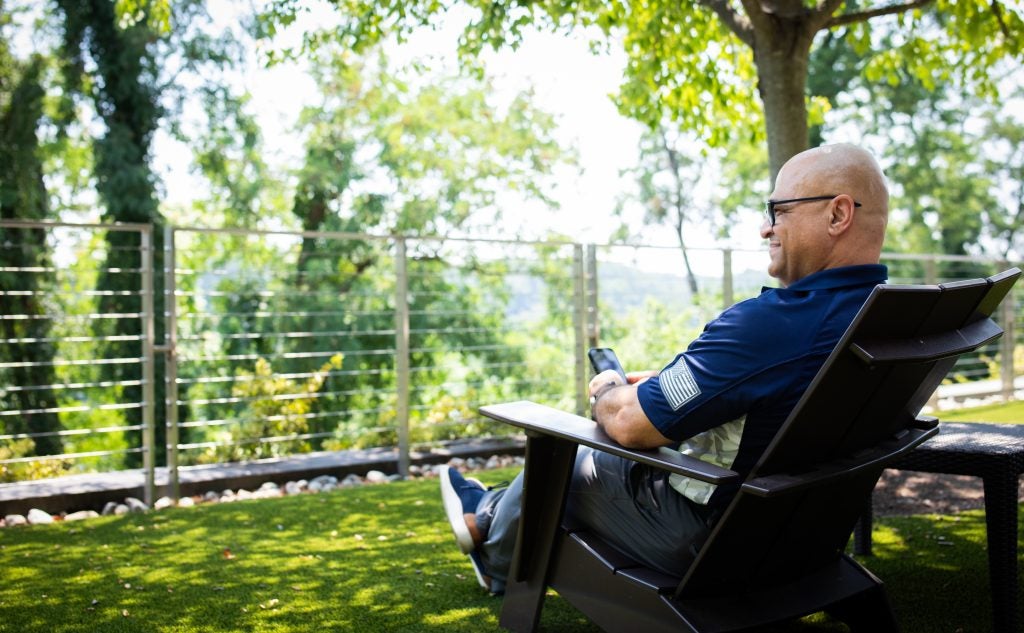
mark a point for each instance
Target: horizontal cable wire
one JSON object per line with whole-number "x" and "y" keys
{"x": 243, "y": 357}
{"x": 53, "y": 269}
{"x": 308, "y": 374}
{"x": 72, "y": 432}
{"x": 75, "y": 385}
{"x": 102, "y": 407}
{"x": 47, "y": 458}
{"x": 72, "y": 339}
{"x": 279, "y": 397}
{"x": 72, "y": 317}
{"x": 271, "y": 294}
{"x": 75, "y": 363}
{"x": 290, "y": 335}
{"x": 79, "y": 293}
{"x": 278, "y": 418}
{"x": 345, "y": 333}
{"x": 271, "y": 315}
{"x": 257, "y": 440}
{"x": 322, "y": 415}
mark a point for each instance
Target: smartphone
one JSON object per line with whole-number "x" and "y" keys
{"x": 603, "y": 358}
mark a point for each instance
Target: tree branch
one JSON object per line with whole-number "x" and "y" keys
{"x": 864, "y": 16}
{"x": 737, "y": 23}
{"x": 997, "y": 10}
{"x": 823, "y": 13}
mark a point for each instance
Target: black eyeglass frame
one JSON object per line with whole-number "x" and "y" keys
{"x": 769, "y": 206}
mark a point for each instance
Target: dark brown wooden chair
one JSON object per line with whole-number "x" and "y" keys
{"x": 777, "y": 551}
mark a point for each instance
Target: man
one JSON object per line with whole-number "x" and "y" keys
{"x": 725, "y": 397}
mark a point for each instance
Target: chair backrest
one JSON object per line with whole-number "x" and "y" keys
{"x": 898, "y": 349}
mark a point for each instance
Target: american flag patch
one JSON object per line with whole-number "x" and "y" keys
{"x": 678, "y": 385}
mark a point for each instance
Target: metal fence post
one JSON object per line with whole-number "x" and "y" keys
{"x": 171, "y": 362}
{"x": 579, "y": 326}
{"x": 727, "y": 289}
{"x": 593, "y": 322}
{"x": 148, "y": 391}
{"x": 402, "y": 354}
{"x": 1008, "y": 314}
{"x": 931, "y": 270}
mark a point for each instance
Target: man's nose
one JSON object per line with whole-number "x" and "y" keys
{"x": 766, "y": 228}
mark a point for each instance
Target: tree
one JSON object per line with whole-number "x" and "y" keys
{"x": 126, "y": 58}
{"x": 1006, "y": 135}
{"x": 697, "y": 63}
{"x": 409, "y": 152}
{"x": 115, "y": 66}
{"x": 24, "y": 255}
{"x": 951, "y": 159}
{"x": 387, "y": 151}
{"x": 666, "y": 180}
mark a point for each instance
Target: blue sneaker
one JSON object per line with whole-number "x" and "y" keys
{"x": 478, "y": 568}
{"x": 460, "y": 497}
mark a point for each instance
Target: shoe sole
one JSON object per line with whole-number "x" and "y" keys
{"x": 484, "y": 581}
{"x": 453, "y": 508}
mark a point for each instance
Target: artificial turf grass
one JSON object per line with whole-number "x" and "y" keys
{"x": 1009, "y": 412}
{"x": 936, "y": 571}
{"x": 374, "y": 558}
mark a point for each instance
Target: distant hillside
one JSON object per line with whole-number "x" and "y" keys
{"x": 629, "y": 287}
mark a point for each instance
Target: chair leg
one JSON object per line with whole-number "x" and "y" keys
{"x": 866, "y": 612}
{"x": 862, "y": 531}
{"x": 549, "y": 464}
{"x": 1001, "y": 524}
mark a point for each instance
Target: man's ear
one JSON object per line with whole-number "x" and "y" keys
{"x": 841, "y": 215}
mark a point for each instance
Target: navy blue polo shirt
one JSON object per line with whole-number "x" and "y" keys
{"x": 726, "y": 396}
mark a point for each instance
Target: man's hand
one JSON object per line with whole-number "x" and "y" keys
{"x": 605, "y": 380}
{"x": 616, "y": 409}
{"x": 637, "y": 377}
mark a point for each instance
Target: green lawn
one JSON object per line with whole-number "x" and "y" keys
{"x": 1012, "y": 412}
{"x": 376, "y": 558}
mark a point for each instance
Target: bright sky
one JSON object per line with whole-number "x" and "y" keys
{"x": 567, "y": 80}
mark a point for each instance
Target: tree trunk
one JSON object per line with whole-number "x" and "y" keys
{"x": 782, "y": 54}
{"x": 23, "y": 196}
{"x": 681, "y": 203}
{"x": 127, "y": 99}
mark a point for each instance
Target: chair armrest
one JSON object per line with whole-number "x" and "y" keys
{"x": 875, "y": 457}
{"x": 925, "y": 422}
{"x": 539, "y": 419}
{"x": 927, "y": 348}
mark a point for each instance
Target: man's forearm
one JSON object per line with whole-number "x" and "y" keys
{"x": 618, "y": 412}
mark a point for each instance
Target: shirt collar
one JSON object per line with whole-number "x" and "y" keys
{"x": 841, "y": 277}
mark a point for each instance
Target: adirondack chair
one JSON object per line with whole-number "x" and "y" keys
{"x": 777, "y": 551}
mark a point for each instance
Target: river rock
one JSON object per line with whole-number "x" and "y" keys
{"x": 135, "y": 505}
{"x": 81, "y": 515}
{"x": 15, "y": 519}
{"x": 39, "y": 517}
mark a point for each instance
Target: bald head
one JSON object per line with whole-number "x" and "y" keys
{"x": 841, "y": 168}
{"x": 844, "y": 222}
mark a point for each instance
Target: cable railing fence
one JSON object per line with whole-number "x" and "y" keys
{"x": 277, "y": 343}
{"x": 76, "y": 349}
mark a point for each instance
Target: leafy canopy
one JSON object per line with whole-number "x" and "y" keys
{"x": 694, "y": 63}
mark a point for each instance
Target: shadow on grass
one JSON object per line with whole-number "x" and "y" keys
{"x": 376, "y": 558}
{"x": 936, "y": 571}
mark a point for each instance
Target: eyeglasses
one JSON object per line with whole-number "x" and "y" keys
{"x": 769, "y": 206}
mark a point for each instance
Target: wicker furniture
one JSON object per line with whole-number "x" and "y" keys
{"x": 995, "y": 453}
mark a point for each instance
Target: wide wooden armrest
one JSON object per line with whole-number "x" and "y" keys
{"x": 540, "y": 419}
{"x": 879, "y": 455}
